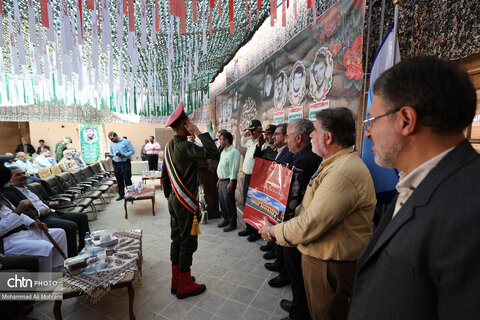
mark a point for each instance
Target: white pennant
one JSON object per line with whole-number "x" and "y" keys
{"x": 143, "y": 23}
{"x": 195, "y": 65}
{"x": 31, "y": 22}
{"x": 1, "y": 31}
{"x": 51, "y": 29}
{"x": 65, "y": 27}
{"x": 130, "y": 92}
{"x": 121, "y": 86}
{"x": 110, "y": 70}
{"x": 153, "y": 34}
{"x": 13, "y": 47}
{"x": 95, "y": 44}
{"x": 18, "y": 29}
{"x": 58, "y": 64}
{"x": 74, "y": 52}
{"x": 106, "y": 27}
{"x": 119, "y": 13}
{"x": 45, "y": 53}
{"x": 204, "y": 29}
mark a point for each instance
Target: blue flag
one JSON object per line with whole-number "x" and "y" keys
{"x": 384, "y": 179}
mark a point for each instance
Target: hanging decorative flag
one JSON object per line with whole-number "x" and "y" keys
{"x": 246, "y": 9}
{"x": 110, "y": 70}
{"x": 173, "y": 8}
{"x": 38, "y": 52}
{"x": 121, "y": 85}
{"x": 194, "y": 9}
{"x": 220, "y": 8}
{"x": 288, "y": 3}
{"x": 259, "y": 6}
{"x": 195, "y": 64}
{"x": 31, "y": 22}
{"x": 18, "y": 28}
{"x": 119, "y": 23}
{"x": 212, "y": 3}
{"x": 154, "y": 31}
{"x": 230, "y": 15}
{"x": 95, "y": 43}
{"x": 211, "y": 22}
{"x": 44, "y": 10}
{"x": 51, "y": 29}
{"x": 272, "y": 13}
{"x": 58, "y": 63}
{"x": 309, "y": 4}
{"x": 80, "y": 22}
{"x": 46, "y": 60}
{"x": 106, "y": 27}
{"x": 13, "y": 47}
{"x": 64, "y": 27}
{"x": 204, "y": 30}
{"x": 284, "y": 14}
{"x": 295, "y": 8}
{"x": 131, "y": 16}
{"x": 91, "y": 4}
{"x": 1, "y": 29}
{"x": 182, "y": 16}
{"x": 157, "y": 18}
{"x": 314, "y": 10}
{"x": 143, "y": 22}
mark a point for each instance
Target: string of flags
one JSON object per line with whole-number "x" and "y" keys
{"x": 74, "y": 56}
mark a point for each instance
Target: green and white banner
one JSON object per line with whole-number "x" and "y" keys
{"x": 90, "y": 142}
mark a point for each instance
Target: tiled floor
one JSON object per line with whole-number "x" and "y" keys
{"x": 231, "y": 267}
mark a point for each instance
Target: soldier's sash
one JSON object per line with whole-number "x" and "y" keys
{"x": 188, "y": 200}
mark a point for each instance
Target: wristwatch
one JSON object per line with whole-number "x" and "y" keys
{"x": 270, "y": 238}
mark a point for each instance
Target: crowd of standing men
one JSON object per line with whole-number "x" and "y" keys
{"x": 420, "y": 262}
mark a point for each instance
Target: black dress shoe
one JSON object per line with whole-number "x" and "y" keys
{"x": 222, "y": 224}
{"x": 245, "y": 232}
{"x": 229, "y": 228}
{"x": 119, "y": 198}
{"x": 267, "y": 247}
{"x": 254, "y": 237}
{"x": 286, "y": 304}
{"x": 270, "y": 255}
{"x": 273, "y": 266}
{"x": 279, "y": 281}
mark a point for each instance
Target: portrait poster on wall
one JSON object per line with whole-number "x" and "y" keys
{"x": 90, "y": 142}
{"x": 320, "y": 67}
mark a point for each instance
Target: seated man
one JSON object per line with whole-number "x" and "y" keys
{"x": 24, "y": 164}
{"x": 67, "y": 164}
{"x": 23, "y": 236}
{"x": 44, "y": 160}
{"x": 77, "y": 156}
{"x": 70, "y": 222}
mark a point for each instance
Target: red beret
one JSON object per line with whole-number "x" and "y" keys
{"x": 178, "y": 114}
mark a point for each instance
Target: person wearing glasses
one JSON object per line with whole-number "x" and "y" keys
{"x": 332, "y": 225}
{"x": 422, "y": 261}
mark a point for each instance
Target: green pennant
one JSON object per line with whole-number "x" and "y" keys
{"x": 208, "y": 87}
{"x": 53, "y": 88}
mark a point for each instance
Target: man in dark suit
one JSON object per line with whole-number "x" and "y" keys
{"x": 70, "y": 222}
{"x": 422, "y": 261}
{"x": 25, "y": 146}
{"x": 42, "y": 148}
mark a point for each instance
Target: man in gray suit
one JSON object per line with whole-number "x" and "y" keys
{"x": 423, "y": 259}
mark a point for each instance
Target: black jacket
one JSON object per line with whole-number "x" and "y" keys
{"x": 30, "y": 148}
{"x": 307, "y": 161}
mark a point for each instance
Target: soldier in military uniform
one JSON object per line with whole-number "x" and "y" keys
{"x": 60, "y": 147}
{"x": 179, "y": 178}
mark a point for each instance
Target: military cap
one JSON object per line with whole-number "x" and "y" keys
{"x": 178, "y": 114}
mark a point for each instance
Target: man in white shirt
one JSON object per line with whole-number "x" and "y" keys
{"x": 26, "y": 165}
{"x": 44, "y": 160}
{"x": 152, "y": 149}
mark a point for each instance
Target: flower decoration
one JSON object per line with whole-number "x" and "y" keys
{"x": 352, "y": 60}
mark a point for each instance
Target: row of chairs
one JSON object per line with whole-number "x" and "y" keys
{"x": 86, "y": 188}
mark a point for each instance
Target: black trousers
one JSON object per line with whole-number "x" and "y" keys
{"x": 81, "y": 219}
{"x": 54, "y": 221}
{"x": 123, "y": 173}
{"x": 293, "y": 265}
{"x": 183, "y": 243}
{"x": 246, "y": 184}
{"x": 227, "y": 202}
{"x": 8, "y": 309}
{"x": 153, "y": 162}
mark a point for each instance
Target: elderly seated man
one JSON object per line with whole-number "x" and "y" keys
{"x": 24, "y": 164}
{"x": 77, "y": 156}
{"x": 21, "y": 235}
{"x": 44, "y": 160}
{"x": 68, "y": 164}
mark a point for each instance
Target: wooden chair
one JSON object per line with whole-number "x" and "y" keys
{"x": 44, "y": 172}
{"x": 55, "y": 169}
